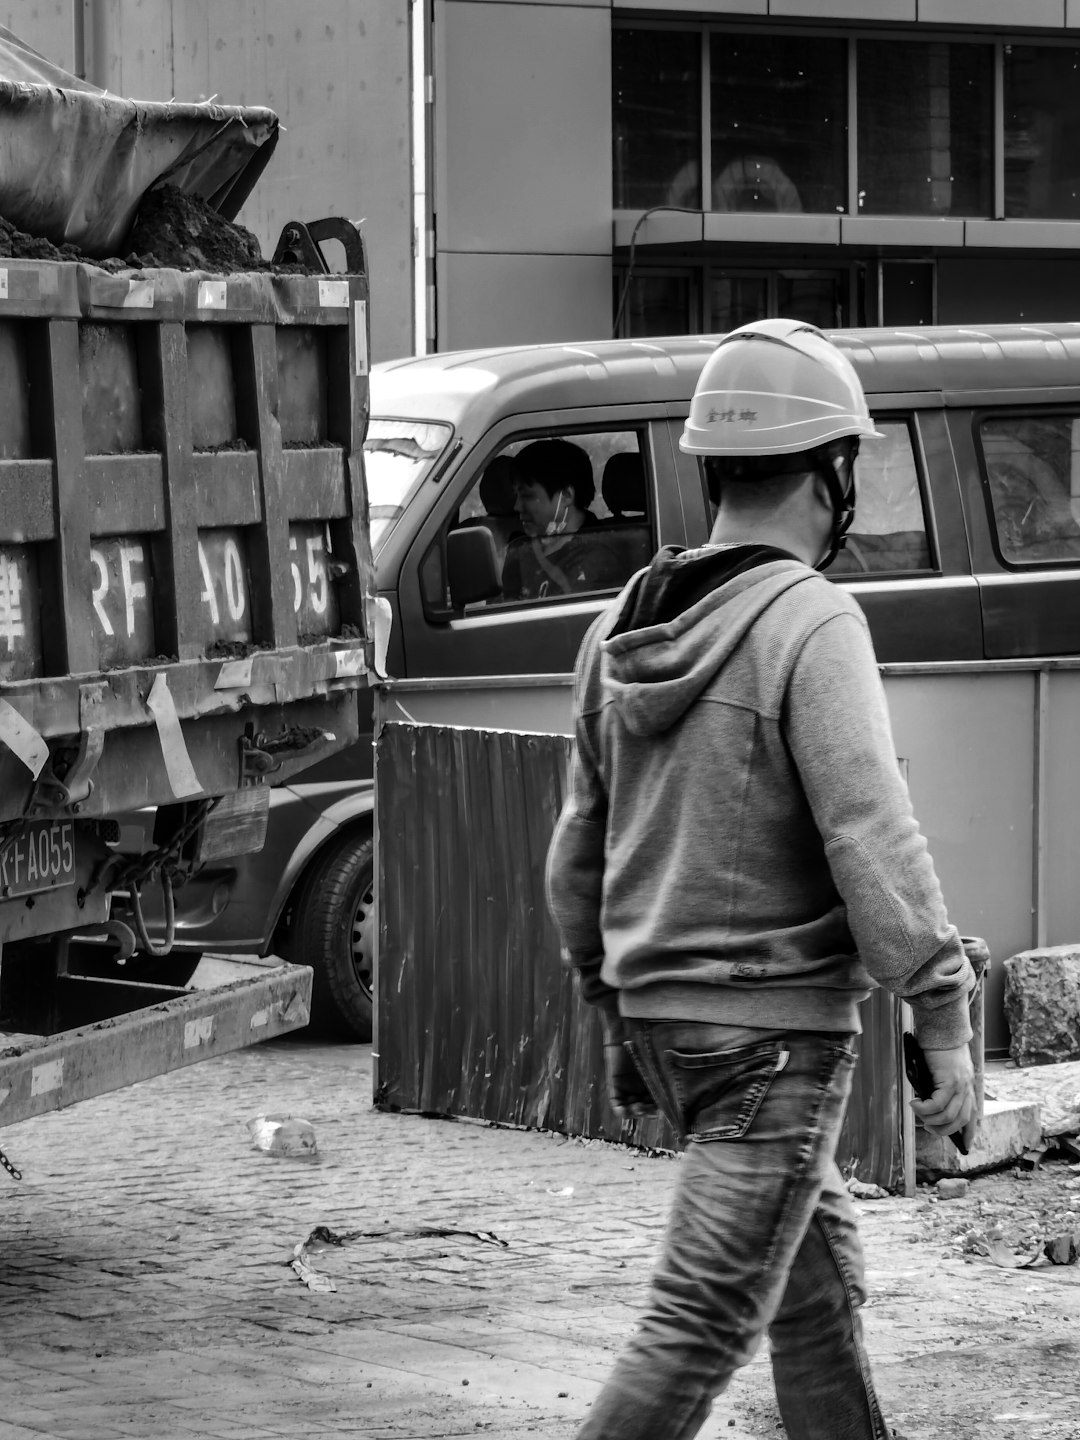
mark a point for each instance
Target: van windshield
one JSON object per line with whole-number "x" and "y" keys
{"x": 398, "y": 455}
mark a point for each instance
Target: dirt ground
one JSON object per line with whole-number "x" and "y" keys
{"x": 974, "y": 1331}
{"x": 148, "y": 1290}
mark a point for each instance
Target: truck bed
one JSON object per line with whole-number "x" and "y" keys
{"x": 183, "y": 554}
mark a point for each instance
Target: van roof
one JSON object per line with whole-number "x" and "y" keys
{"x": 956, "y": 360}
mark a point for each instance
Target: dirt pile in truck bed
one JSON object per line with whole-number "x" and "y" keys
{"x": 185, "y": 233}
{"x": 16, "y": 244}
{"x": 171, "y": 230}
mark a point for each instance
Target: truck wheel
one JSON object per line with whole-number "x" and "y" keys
{"x": 333, "y": 931}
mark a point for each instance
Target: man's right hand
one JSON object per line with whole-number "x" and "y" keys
{"x": 952, "y": 1105}
{"x": 627, "y": 1091}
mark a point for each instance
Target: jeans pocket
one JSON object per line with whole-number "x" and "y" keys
{"x": 720, "y": 1092}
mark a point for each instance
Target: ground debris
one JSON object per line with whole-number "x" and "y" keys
{"x": 1015, "y": 1219}
{"x": 865, "y": 1190}
{"x": 952, "y": 1189}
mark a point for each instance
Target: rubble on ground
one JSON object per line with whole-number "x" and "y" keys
{"x": 1054, "y": 1088}
{"x": 1042, "y": 1004}
{"x": 1026, "y": 1217}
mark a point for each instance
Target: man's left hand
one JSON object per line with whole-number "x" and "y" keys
{"x": 952, "y": 1105}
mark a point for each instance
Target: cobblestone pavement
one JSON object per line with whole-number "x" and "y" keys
{"x": 146, "y": 1291}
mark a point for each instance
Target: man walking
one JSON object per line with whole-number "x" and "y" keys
{"x": 736, "y": 864}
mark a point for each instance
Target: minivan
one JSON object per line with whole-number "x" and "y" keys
{"x": 964, "y": 554}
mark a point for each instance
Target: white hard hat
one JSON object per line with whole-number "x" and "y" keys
{"x": 774, "y": 387}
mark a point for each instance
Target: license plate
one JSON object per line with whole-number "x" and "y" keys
{"x": 42, "y": 857}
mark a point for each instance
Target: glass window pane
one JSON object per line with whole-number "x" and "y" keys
{"x": 889, "y": 530}
{"x": 656, "y": 121}
{"x": 925, "y": 126}
{"x": 907, "y": 292}
{"x": 820, "y": 300}
{"x": 1033, "y": 468}
{"x": 736, "y": 300}
{"x": 398, "y": 454}
{"x": 1042, "y": 120}
{"x": 779, "y": 123}
{"x": 657, "y": 305}
{"x": 568, "y": 515}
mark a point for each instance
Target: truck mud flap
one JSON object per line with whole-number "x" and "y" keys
{"x": 39, "y": 1073}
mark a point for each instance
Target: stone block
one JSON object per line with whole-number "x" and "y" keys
{"x": 1042, "y": 1004}
{"x": 1005, "y": 1131}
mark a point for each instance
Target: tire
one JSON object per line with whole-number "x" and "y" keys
{"x": 332, "y": 930}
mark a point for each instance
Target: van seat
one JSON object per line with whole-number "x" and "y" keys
{"x": 623, "y": 486}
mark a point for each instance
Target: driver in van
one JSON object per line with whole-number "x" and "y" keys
{"x": 736, "y": 865}
{"x": 564, "y": 549}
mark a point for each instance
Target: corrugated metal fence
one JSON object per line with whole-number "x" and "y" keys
{"x": 475, "y": 1014}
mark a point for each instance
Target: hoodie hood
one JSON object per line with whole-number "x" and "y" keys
{"x": 679, "y": 621}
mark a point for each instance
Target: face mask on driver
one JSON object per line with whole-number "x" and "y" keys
{"x": 558, "y": 522}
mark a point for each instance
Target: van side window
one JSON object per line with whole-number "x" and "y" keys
{"x": 888, "y": 535}
{"x": 1032, "y": 469}
{"x": 568, "y": 514}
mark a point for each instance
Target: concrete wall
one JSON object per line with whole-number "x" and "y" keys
{"x": 335, "y": 71}
{"x": 523, "y": 171}
{"x": 47, "y": 26}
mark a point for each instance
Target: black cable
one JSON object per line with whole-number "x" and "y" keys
{"x": 675, "y": 209}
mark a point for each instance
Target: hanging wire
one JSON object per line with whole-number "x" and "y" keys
{"x": 653, "y": 210}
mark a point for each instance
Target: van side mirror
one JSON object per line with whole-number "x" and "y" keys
{"x": 472, "y": 566}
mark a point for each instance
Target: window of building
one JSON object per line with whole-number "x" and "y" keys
{"x": 569, "y": 515}
{"x": 778, "y": 105}
{"x": 658, "y": 302}
{"x": 925, "y": 127}
{"x": 940, "y": 128}
{"x": 1042, "y": 121}
{"x": 705, "y": 298}
{"x": 736, "y": 300}
{"x": 888, "y": 535}
{"x": 656, "y": 125}
{"x": 1032, "y": 468}
{"x": 818, "y": 297}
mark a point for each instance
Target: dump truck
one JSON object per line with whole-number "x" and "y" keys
{"x": 184, "y": 572}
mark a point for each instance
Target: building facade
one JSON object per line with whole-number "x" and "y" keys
{"x": 530, "y": 170}
{"x": 655, "y": 167}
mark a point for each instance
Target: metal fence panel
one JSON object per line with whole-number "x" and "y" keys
{"x": 475, "y": 1015}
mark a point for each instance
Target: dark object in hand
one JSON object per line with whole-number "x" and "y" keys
{"x": 922, "y": 1082}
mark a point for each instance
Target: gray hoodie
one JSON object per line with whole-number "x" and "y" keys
{"x": 738, "y": 845}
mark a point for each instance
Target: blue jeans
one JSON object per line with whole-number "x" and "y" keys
{"x": 761, "y": 1238}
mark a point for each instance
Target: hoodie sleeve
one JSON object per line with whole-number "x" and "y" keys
{"x": 840, "y": 738}
{"x": 575, "y": 860}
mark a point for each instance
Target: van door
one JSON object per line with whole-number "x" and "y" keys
{"x": 553, "y": 586}
{"x": 1020, "y": 469}
{"x": 906, "y": 560}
